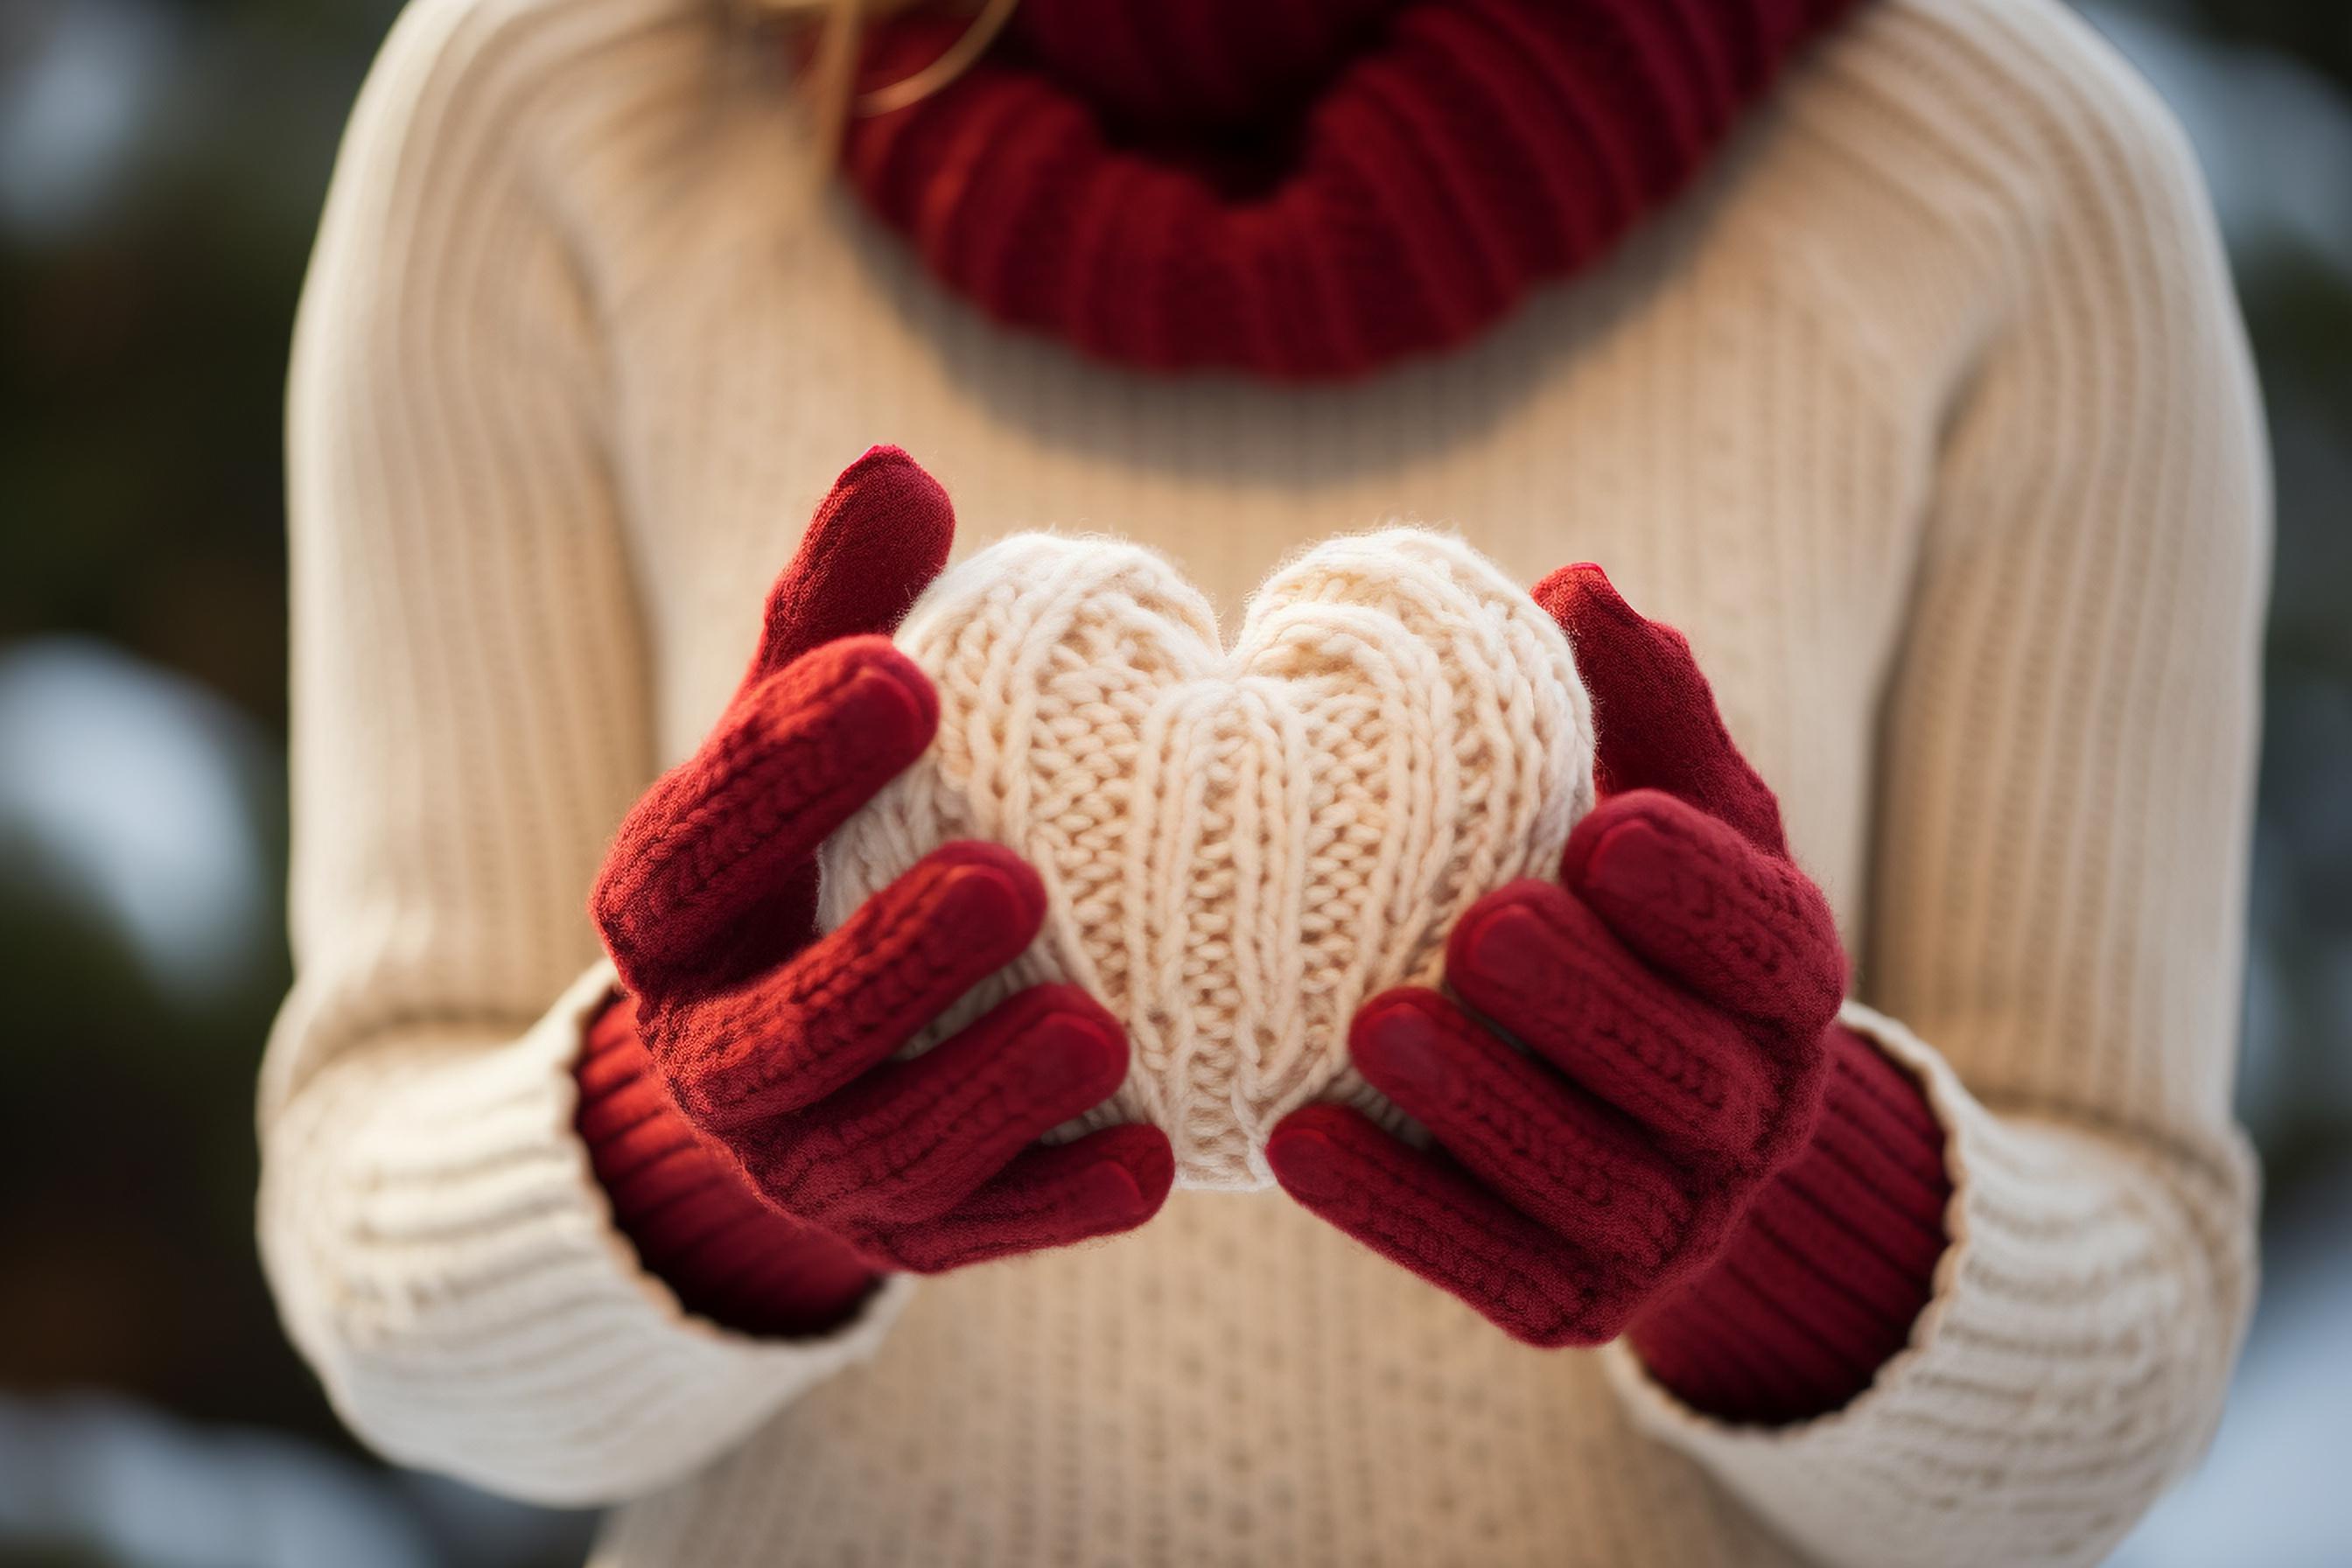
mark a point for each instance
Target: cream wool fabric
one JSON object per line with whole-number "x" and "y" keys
{"x": 1239, "y": 847}
{"x": 1928, "y": 415}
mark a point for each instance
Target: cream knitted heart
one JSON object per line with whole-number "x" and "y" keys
{"x": 1238, "y": 845}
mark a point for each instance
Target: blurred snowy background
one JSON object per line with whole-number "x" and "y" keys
{"x": 160, "y": 167}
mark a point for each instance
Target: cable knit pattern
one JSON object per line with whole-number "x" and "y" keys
{"x": 1927, "y": 413}
{"x": 1472, "y": 149}
{"x": 1240, "y": 846}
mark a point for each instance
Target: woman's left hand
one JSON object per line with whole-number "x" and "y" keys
{"x": 1627, "y": 1054}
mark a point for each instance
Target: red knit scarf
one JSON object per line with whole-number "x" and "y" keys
{"x": 1303, "y": 189}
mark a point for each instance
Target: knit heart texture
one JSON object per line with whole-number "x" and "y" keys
{"x": 1239, "y": 845}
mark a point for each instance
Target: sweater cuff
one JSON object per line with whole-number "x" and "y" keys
{"x": 2073, "y": 1356}
{"x": 448, "y": 1261}
{"x": 1829, "y": 1267}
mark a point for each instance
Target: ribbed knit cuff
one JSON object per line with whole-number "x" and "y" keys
{"x": 2072, "y": 1359}
{"x": 688, "y": 1207}
{"x": 448, "y": 1261}
{"x": 1829, "y": 1268}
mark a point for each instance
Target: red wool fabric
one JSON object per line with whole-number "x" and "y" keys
{"x": 875, "y": 541}
{"x": 1200, "y": 65}
{"x": 1302, "y": 189}
{"x": 686, "y": 1206}
{"x": 1835, "y": 1263}
{"x": 743, "y": 1108}
{"x": 1641, "y": 1105}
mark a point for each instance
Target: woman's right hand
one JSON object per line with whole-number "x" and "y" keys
{"x": 776, "y": 1043}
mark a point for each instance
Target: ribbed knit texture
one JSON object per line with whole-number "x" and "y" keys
{"x": 1305, "y": 190}
{"x": 1215, "y": 66}
{"x": 1926, "y": 415}
{"x": 693, "y": 1217}
{"x": 1240, "y": 848}
{"x": 1830, "y": 1269}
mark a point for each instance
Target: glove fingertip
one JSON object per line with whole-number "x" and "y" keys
{"x": 888, "y": 512}
{"x": 1309, "y": 1153}
{"x": 1141, "y": 1159}
{"x": 1015, "y": 893}
{"x": 1076, "y": 1050}
{"x": 895, "y": 701}
{"x": 1587, "y": 608}
{"x": 1512, "y": 935}
{"x": 880, "y": 535}
{"x": 1397, "y": 1042}
{"x": 1402, "y": 1007}
{"x": 1560, "y": 593}
{"x": 1629, "y": 853}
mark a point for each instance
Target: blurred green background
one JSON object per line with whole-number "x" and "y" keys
{"x": 162, "y": 164}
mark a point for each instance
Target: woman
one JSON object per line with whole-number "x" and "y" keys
{"x": 1886, "y": 351}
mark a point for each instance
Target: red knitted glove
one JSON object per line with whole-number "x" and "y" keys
{"x": 1630, "y": 1055}
{"x": 680, "y": 1197}
{"x": 774, "y": 1044}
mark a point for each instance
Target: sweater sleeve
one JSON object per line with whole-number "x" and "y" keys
{"x": 2057, "y": 898}
{"x": 470, "y": 720}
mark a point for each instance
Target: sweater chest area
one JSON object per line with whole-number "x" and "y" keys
{"x": 1233, "y": 1383}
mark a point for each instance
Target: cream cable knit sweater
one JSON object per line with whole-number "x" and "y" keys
{"x": 1928, "y": 416}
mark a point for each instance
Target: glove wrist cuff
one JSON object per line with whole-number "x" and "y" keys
{"x": 689, "y": 1211}
{"x": 1829, "y": 1268}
